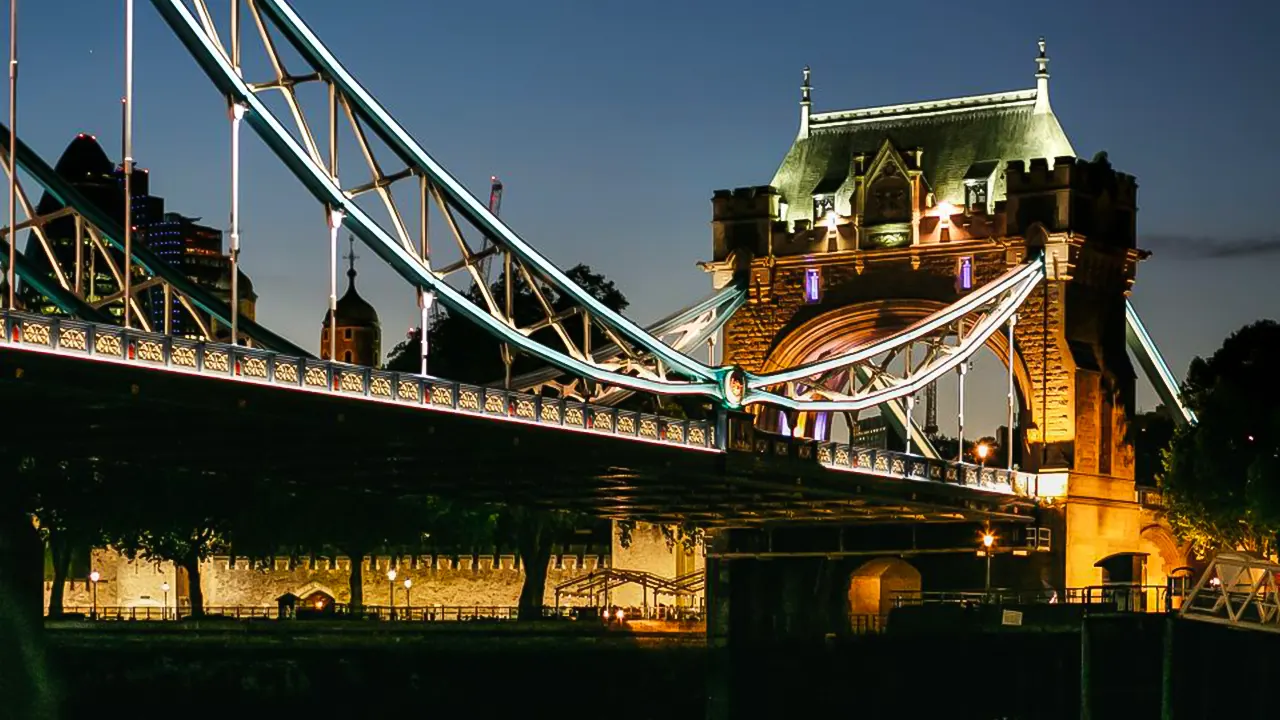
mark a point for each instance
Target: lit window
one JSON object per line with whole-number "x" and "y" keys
{"x": 964, "y": 273}
{"x": 812, "y": 284}
{"x": 823, "y": 204}
{"x": 975, "y": 195}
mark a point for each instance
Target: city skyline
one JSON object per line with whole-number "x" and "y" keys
{"x": 612, "y": 137}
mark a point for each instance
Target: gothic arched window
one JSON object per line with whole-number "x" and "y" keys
{"x": 888, "y": 198}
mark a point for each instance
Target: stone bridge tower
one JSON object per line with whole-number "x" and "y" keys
{"x": 878, "y": 217}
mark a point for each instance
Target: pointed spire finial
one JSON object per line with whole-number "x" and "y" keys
{"x": 805, "y": 102}
{"x": 1042, "y": 80}
{"x": 351, "y": 258}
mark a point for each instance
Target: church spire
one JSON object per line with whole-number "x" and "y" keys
{"x": 351, "y": 260}
{"x": 1042, "y": 81}
{"x": 805, "y": 102}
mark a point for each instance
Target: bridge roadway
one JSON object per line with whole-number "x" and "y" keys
{"x": 72, "y": 389}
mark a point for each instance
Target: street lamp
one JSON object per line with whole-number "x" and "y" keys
{"x": 983, "y": 451}
{"x": 988, "y": 544}
{"x": 164, "y": 610}
{"x": 94, "y": 577}
{"x": 408, "y": 602}
{"x": 391, "y": 591}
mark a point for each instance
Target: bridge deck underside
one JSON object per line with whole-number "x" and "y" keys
{"x": 149, "y": 420}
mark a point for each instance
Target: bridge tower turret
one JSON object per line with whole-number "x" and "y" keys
{"x": 879, "y": 217}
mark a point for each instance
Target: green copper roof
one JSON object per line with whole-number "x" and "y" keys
{"x": 955, "y": 134}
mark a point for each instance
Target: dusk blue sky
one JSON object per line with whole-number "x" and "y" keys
{"x": 612, "y": 122}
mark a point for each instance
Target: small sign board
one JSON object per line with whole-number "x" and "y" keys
{"x": 1011, "y": 617}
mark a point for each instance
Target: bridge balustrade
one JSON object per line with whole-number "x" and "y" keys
{"x": 114, "y": 344}
{"x": 900, "y": 465}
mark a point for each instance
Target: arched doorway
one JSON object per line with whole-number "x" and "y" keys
{"x": 1163, "y": 553}
{"x": 315, "y": 598}
{"x": 875, "y": 584}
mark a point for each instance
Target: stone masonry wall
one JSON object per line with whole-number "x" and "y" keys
{"x": 649, "y": 553}
{"x": 469, "y": 581}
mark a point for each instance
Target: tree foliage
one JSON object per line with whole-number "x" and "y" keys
{"x": 71, "y": 507}
{"x": 1221, "y": 477}
{"x": 687, "y": 535}
{"x": 175, "y": 516}
{"x": 286, "y": 520}
{"x": 461, "y": 350}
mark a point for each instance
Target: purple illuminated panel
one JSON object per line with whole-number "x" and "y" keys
{"x": 964, "y": 273}
{"x": 812, "y": 284}
{"x": 820, "y": 427}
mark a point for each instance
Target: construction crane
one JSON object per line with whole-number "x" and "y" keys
{"x": 495, "y": 207}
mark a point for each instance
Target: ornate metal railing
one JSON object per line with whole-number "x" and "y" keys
{"x": 114, "y": 344}
{"x": 893, "y": 464}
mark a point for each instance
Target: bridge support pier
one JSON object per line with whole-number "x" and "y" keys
{"x": 759, "y": 612}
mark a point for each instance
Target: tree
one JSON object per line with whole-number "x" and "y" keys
{"x": 1150, "y": 433}
{"x": 70, "y": 508}
{"x": 1221, "y": 477}
{"x": 176, "y": 516}
{"x": 460, "y": 350}
{"x": 687, "y": 535}
{"x": 287, "y": 520}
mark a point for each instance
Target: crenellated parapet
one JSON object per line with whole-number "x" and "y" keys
{"x": 1083, "y": 197}
{"x": 744, "y": 219}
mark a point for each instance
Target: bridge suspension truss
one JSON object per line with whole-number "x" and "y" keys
{"x": 99, "y": 252}
{"x": 659, "y": 359}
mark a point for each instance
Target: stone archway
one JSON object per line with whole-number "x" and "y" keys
{"x": 312, "y": 591}
{"x": 1164, "y": 554}
{"x": 873, "y": 586}
{"x": 841, "y": 328}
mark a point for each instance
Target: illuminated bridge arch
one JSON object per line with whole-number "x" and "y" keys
{"x": 859, "y": 324}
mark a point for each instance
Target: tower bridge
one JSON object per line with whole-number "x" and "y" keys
{"x": 892, "y": 246}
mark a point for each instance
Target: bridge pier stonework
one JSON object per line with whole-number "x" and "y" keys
{"x": 878, "y": 218}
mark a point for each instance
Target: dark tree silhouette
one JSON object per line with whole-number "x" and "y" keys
{"x": 1222, "y": 476}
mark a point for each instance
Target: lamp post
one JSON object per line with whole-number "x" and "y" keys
{"x": 408, "y": 599}
{"x": 983, "y": 451}
{"x": 988, "y": 545}
{"x": 164, "y": 611}
{"x": 94, "y": 577}
{"x": 391, "y": 592}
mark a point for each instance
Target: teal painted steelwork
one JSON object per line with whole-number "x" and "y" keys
{"x": 1031, "y": 271}
{"x": 1158, "y": 374}
{"x": 316, "y": 180}
{"x": 60, "y": 189}
{"x": 725, "y": 302}
{"x": 1029, "y": 276}
{"x": 413, "y": 155}
{"x": 66, "y": 301}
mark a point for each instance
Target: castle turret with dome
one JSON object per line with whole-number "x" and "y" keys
{"x": 359, "y": 334}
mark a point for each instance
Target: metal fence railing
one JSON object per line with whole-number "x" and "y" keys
{"x": 1116, "y": 597}
{"x": 416, "y": 613}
